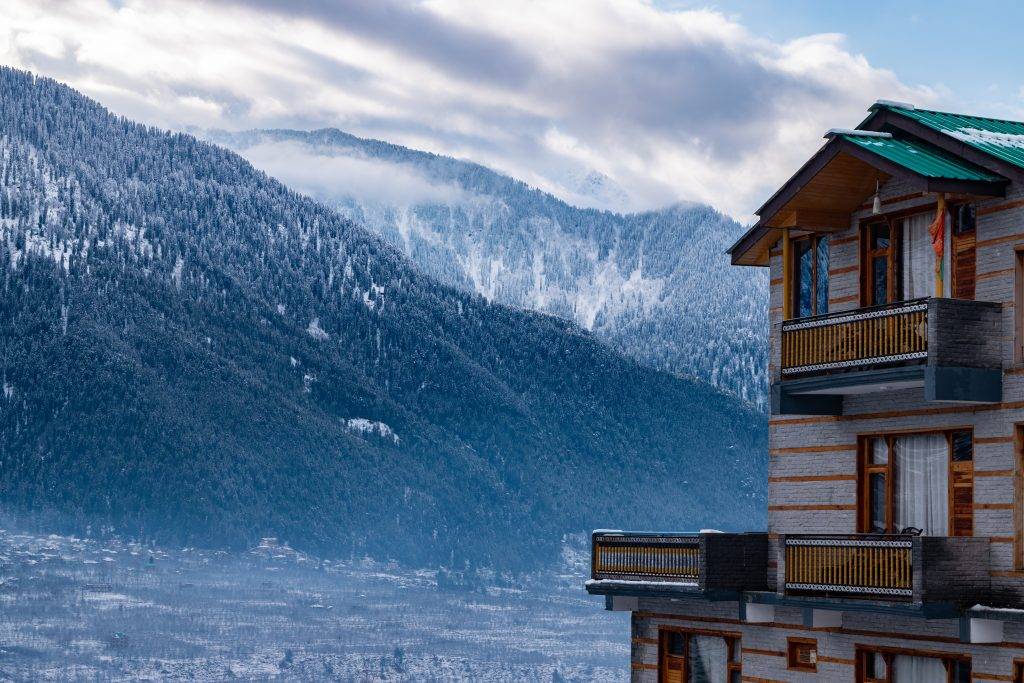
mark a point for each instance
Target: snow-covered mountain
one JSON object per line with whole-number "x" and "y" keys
{"x": 191, "y": 351}
{"x": 656, "y": 285}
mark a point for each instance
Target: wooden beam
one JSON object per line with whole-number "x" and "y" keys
{"x": 787, "y": 276}
{"x": 827, "y": 221}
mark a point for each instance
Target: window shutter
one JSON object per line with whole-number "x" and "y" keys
{"x": 964, "y": 253}
{"x": 673, "y": 670}
{"x": 962, "y": 497}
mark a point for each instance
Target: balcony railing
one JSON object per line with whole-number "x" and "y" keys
{"x": 924, "y": 570}
{"x": 664, "y": 557}
{"x": 855, "y": 566}
{"x": 623, "y": 562}
{"x": 880, "y": 335}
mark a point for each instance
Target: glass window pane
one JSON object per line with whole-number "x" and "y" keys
{"x": 879, "y": 451}
{"x": 921, "y": 485}
{"x": 918, "y": 257}
{"x": 676, "y": 643}
{"x": 877, "y": 493}
{"x": 708, "y": 661}
{"x": 906, "y": 668}
{"x": 963, "y": 447}
{"x": 966, "y": 218}
{"x": 804, "y": 280}
{"x": 821, "y": 286}
{"x": 880, "y": 236}
{"x": 874, "y": 665}
{"x": 880, "y": 280}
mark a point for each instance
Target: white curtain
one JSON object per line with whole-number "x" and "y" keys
{"x": 918, "y": 669}
{"x": 709, "y": 659}
{"x": 919, "y": 258}
{"x": 922, "y": 475}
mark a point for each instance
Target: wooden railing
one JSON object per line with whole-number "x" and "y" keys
{"x": 879, "y": 335}
{"x": 666, "y": 557}
{"x": 875, "y": 566}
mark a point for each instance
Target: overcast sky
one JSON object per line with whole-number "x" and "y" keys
{"x": 670, "y": 100}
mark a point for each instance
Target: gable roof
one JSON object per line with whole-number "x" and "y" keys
{"x": 934, "y": 151}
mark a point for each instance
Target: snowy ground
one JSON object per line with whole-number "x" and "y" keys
{"x": 81, "y": 609}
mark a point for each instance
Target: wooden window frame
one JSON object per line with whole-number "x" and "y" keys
{"x": 890, "y": 653}
{"x": 963, "y": 256}
{"x": 1018, "y": 304}
{"x": 1018, "y": 497}
{"x": 792, "y": 662}
{"x": 814, "y": 239}
{"x": 1018, "y": 671}
{"x": 734, "y": 660}
{"x": 865, "y": 468}
{"x": 868, "y": 256}
{"x": 894, "y": 252}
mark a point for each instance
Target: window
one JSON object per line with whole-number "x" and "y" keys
{"x": 698, "y": 657}
{"x": 1018, "y": 307}
{"x": 810, "y": 275}
{"x": 1018, "y": 498}
{"x": 964, "y": 255}
{"x": 907, "y": 666}
{"x": 1018, "y": 671}
{"x": 802, "y": 654}
{"x": 880, "y": 264}
{"x": 922, "y": 481}
{"x": 899, "y": 259}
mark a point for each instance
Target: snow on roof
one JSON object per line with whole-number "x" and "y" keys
{"x": 988, "y": 137}
{"x": 832, "y": 132}
{"x": 893, "y": 103}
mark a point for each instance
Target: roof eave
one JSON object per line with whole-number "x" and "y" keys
{"x": 836, "y": 145}
{"x": 744, "y": 244}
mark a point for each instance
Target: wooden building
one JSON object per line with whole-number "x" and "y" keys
{"x": 895, "y": 541}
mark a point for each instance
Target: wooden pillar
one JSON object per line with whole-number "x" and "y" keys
{"x": 787, "y": 276}
{"x": 940, "y": 214}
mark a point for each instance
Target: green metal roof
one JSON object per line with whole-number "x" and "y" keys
{"x": 1000, "y": 138}
{"x": 923, "y": 159}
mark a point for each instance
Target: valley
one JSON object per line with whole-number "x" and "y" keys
{"x": 106, "y": 609}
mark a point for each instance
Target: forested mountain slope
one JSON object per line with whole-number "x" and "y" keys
{"x": 657, "y": 285}
{"x": 194, "y": 353}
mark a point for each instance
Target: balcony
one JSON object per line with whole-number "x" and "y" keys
{"x": 950, "y": 347}
{"x": 712, "y": 565}
{"x": 934, "y": 573}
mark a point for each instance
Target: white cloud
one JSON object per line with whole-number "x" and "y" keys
{"x": 346, "y": 174}
{"x": 669, "y": 105}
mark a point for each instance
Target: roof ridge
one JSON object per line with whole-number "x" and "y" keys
{"x": 951, "y": 113}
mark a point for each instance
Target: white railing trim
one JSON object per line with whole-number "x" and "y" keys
{"x": 854, "y": 317}
{"x": 850, "y": 589}
{"x": 851, "y": 542}
{"x": 916, "y": 355}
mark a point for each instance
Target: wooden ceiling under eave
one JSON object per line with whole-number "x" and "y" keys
{"x": 823, "y": 204}
{"x": 827, "y": 200}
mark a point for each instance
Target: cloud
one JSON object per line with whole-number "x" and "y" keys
{"x": 668, "y": 105}
{"x": 346, "y": 175}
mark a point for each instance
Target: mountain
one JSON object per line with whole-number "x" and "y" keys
{"x": 194, "y": 353}
{"x": 657, "y": 285}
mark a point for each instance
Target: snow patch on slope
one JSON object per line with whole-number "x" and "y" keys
{"x": 361, "y": 425}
